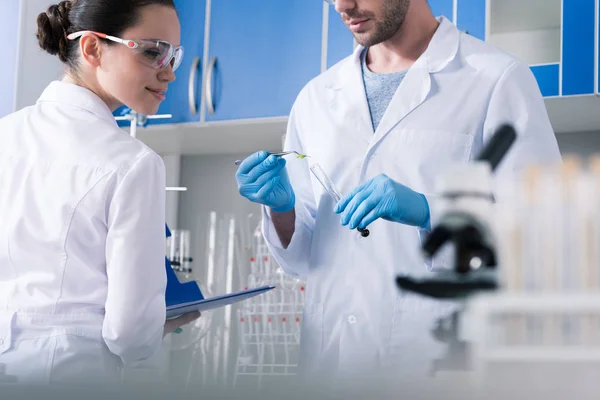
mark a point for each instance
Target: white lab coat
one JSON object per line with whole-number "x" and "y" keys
{"x": 82, "y": 242}
{"x": 453, "y": 98}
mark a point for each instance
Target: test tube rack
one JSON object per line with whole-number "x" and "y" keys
{"x": 269, "y": 325}
{"x": 531, "y": 337}
{"x": 546, "y": 315}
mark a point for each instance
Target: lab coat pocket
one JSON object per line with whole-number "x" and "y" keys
{"x": 311, "y": 332}
{"x": 422, "y": 154}
{"x": 6, "y": 328}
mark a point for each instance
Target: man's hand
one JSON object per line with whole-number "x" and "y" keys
{"x": 263, "y": 179}
{"x": 381, "y": 197}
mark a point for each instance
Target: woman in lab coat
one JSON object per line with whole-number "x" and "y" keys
{"x": 82, "y": 205}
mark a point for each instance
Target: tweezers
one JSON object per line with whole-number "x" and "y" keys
{"x": 281, "y": 154}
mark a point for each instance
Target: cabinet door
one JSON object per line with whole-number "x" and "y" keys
{"x": 470, "y": 17}
{"x": 340, "y": 42}
{"x": 264, "y": 52}
{"x": 181, "y": 102}
{"x": 443, "y": 8}
{"x": 578, "y": 31}
{"x": 548, "y": 77}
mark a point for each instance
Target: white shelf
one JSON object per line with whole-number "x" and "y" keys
{"x": 574, "y": 113}
{"x": 230, "y": 137}
{"x": 507, "y": 302}
{"x": 528, "y": 354}
{"x": 528, "y": 29}
{"x": 533, "y": 47}
{"x": 524, "y": 15}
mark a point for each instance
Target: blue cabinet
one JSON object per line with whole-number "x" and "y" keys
{"x": 262, "y": 53}
{"x": 442, "y": 8}
{"x": 578, "y": 53}
{"x": 181, "y": 102}
{"x": 548, "y": 77}
{"x": 470, "y": 17}
{"x": 340, "y": 42}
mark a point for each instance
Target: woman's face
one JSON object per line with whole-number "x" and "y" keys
{"x": 128, "y": 76}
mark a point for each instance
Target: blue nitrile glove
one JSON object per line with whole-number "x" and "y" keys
{"x": 384, "y": 198}
{"x": 263, "y": 179}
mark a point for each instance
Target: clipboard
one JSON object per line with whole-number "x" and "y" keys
{"x": 215, "y": 302}
{"x": 181, "y": 298}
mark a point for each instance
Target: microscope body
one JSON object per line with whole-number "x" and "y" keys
{"x": 466, "y": 210}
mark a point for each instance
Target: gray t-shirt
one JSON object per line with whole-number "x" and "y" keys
{"x": 380, "y": 89}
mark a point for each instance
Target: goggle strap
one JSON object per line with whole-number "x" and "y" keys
{"x": 129, "y": 43}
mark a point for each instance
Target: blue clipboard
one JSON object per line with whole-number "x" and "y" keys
{"x": 182, "y": 298}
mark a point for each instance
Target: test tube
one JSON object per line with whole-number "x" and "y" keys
{"x": 184, "y": 251}
{"x": 329, "y": 188}
{"x": 591, "y": 274}
{"x": 175, "y": 250}
{"x": 570, "y": 266}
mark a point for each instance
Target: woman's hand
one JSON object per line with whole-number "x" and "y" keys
{"x": 173, "y": 324}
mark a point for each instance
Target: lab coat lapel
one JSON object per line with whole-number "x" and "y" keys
{"x": 416, "y": 85}
{"x": 350, "y": 99}
{"x": 411, "y": 93}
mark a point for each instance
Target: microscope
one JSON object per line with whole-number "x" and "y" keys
{"x": 466, "y": 206}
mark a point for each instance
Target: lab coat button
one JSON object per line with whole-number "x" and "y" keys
{"x": 352, "y": 319}
{"x": 1, "y": 341}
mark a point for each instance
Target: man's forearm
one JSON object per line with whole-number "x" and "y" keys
{"x": 285, "y": 225}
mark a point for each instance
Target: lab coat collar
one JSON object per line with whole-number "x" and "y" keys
{"x": 442, "y": 49}
{"x": 443, "y": 46}
{"x": 416, "y": 85}
{"x": 76, "y": 96}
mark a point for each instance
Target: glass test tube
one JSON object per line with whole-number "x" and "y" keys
{"x": 329, "y": 188}
{"x": 174, "y": 250}
{"x": 184, "y": 251}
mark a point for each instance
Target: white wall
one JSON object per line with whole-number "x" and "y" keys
{"x": 173, "y": 172}
{"x": 36, "y": 68}
{"x": 581, "y": 143}
{"x": 9, "y": 30}
{"x": 211, "y": 186}
{"x": 533, "y": 47}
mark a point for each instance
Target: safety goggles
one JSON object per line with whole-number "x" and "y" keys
{"x": 156, "y": 54}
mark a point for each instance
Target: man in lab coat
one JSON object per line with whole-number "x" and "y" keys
{"x": 416, "y": 96}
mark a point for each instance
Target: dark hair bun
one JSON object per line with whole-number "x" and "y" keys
{"x": 52, "y": 30}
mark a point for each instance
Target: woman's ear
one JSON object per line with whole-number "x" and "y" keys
{"x": 90, "y": 46}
